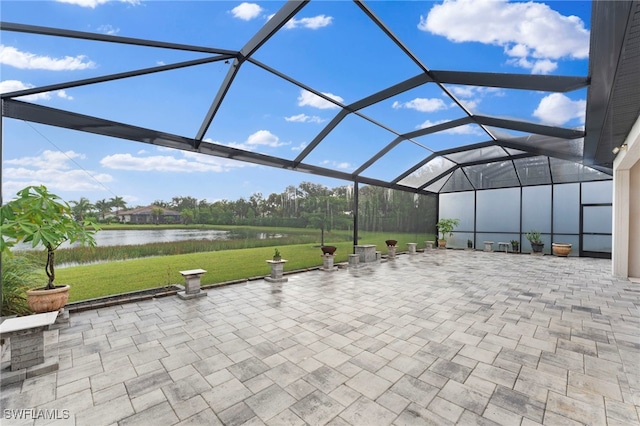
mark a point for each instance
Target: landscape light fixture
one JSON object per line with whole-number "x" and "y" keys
{"x": 617, "y": 149}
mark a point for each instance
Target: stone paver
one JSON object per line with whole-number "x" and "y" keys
{"x": 451, "y": 337}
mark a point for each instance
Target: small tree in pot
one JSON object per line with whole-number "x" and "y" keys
{"x": 445, "y": 228}
{"x": 535, "y": 239}
{"x": 39, "y": 217}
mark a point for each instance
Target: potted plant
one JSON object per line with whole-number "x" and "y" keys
{"x": 469, "y": 244}
{"x": 391, "y": 248}
{"x": 277, "y": 257}
{"x": 277, "y": 268}
{"x": 41, "y": 218}
{"x": 328, "y": 249}
{"x": 535, "y": 239}
{"x": 515, "y": 245}
{"x": 445, "y": 228}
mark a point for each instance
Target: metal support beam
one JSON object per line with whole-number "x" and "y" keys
{"x": 65, "y": 119}
{"x": 276, "y": 22}
{"x": 380, "y": 153}
{"x": 57, "y": 32}
{"x": 112, "y": 77}
{"x": 217, "y": 101}
{"x": 394, "y": 90}
{"x": 523, "y": 126}
{"x": 266, "y": 32}
{"x": 438, "y": 127}
{"x": 543, "y": 83}
{"x": 356, "y": 213}
{"x": 320, "y": 136}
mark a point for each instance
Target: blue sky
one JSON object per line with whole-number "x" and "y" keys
{"x": 329, "y": 45}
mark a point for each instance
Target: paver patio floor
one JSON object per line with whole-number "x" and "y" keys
{"x": 441, "y": 337}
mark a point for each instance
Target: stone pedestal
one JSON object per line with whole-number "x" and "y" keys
{"x": 367, "y": 252}
{"x": 411, "y": 247}
{"x": 192, "y": 284}
{"x": 327, "y": 262}
{"x": 430, "y": 244}
{"x": 488, "y": 246}
{"x": 391, "y": 252}
{"x": 26, "y": 340}
{"x": 354, "y": 260}
{"x": 277, "y": 270}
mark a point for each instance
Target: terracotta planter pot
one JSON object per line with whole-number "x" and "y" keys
{"x": 442, "y": 243}
{"x": 391, "y": 242}
{"x": 41, "y": 301}
{"x": 328, "y": 249}
{"x": 561, "y": 249}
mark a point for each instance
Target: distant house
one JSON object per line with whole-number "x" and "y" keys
{"x": 149, "y": 214}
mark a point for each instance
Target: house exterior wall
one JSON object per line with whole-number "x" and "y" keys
{"x": 626, "y": 208}
{"x": 634, "y": 222}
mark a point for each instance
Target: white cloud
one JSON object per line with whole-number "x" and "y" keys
{"x": 177, "y": 161}
{"x": 337, "y": 165}
{"x": 55, "y": 180}
{"x": 532, "y": 34}
{"x": 303, "y": 118}
{"x": 54, "y": 169}
{"x": 94, "y": 3}
{"x": 108, "y": 29}
{"x": 246, "y": 11}
{"x": 557, "y": 109}
{"x": 63, "y": 94}
{"x": 313, "y": 23}
{"x": 307, "y": 98}
{"x": 462, "y": 91}
{"x": 30, "y": 61}
{"x": 157, "y": 163}
{"x": 264, "y": 137}
{"x": 466, "y": 129}
{"x": 544, "y": 66}
{"x": 471, "y": 96}
{"x": 259, "y": 138}
{"x": 8, "y": 86}
{"x": 48, "y": 160}
{"x": 422, "y": 104}
{"x": 300, "y": 147}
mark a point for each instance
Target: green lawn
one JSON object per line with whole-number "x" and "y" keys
{"x": 98, "y": 280}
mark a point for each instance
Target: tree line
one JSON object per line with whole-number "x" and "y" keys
{"x": 306, "y": 205}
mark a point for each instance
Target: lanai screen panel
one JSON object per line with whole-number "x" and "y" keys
{"x": 566, "y": 171}
{"x": 402, "y": 157}
{"x": 431, "y": 170}
{"x": 492, "y": 175}
{"x": 458, "y": 181}
{"x": 456, "y": 137}
{"x": 533, "y": 170}
{"x": 363, "y": 56}
{"x": 478, "y": 154}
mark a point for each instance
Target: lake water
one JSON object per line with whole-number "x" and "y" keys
{"x": 138, "y": 236}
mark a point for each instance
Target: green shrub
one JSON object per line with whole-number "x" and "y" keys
{"x": 19, "y": 274}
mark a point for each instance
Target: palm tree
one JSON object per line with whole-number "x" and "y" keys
{"x": 118, "y": 203}
{"x": 81, "y": 207}
{"x": 103, "y": 206}
{"x": 157, "y": 213}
